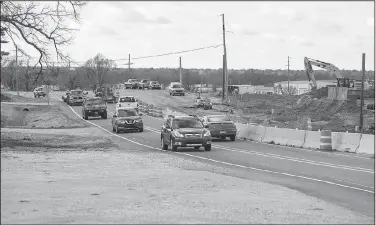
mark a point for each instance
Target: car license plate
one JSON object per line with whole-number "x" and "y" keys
{"x": 193, "y": 145}
{"x": 222, "y": 132}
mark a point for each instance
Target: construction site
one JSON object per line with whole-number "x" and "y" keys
{"x": 297, "y": 111}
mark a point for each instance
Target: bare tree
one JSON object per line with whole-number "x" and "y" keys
{"x": 40, "y": 24}
{"x": 72, "y": 79}
{"x": 98, "y": 67}
{"x": 7, "y": 73}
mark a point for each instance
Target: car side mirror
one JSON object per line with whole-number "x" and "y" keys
{"x": 114, "y": 116}
{"x": 206, "y": 126}
{"x": 86, "y": 93}
{"x": 140, "y": 114}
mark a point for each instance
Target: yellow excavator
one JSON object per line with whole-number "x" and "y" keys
{"x": 341, "y": 80}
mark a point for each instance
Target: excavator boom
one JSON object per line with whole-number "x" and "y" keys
{"x": 308, "y": 62}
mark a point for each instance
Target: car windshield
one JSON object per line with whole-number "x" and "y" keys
{"x": 218, "y": 119}
{"x": 76, "y": 92}
{"x": 126, "y": 113}
{"x": 186, "y": 123}
{"x": 155, "y": 82}
{"x": 132, "y": 81}
{"x": 95, "y": 102}
{"x": 127, "y": 99}
{"x": 144, "y": 81}
{"x": 176, "y": 86}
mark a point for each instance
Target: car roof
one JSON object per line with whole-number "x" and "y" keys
{"x": 94, "y": 98}
{"x": 126, "y": 108}
{"x": 215, "y": 116}
{"x": 185, "y": 117}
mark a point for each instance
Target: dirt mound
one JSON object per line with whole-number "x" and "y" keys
{"x": 5, "y": 98}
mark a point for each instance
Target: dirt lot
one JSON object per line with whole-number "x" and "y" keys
{"x": 81, "y": 175}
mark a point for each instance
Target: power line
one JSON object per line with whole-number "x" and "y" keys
{"x": 174, "y": 53}
{"x": 144, "y": 57}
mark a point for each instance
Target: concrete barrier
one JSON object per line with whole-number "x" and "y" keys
{"x": 241, "y": 130}
{"x": 312, "y": 140}
{"x": 282, "y": 136}
{"x": 256, "y": 133}
{"x": 345, "y": 142}
{"x": 367, "y": 144}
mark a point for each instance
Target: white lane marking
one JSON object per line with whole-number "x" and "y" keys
{"x": 297, "y": 148}
{"x": 226, "y": 163}
{"x": 359, "y": 169}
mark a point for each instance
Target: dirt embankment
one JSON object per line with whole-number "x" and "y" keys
{"x": 38, "y": 116}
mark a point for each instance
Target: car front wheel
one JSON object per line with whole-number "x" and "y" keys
{"x": 163, "y": 145}
{"x": 104, "y": 115}
{"x": 232, "y": 138}
{"x": 173, "y": 148}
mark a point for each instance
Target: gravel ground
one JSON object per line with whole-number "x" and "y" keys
{"x": 98, "y": 187}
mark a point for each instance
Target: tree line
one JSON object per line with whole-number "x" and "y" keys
{"x": 101, "y": 70}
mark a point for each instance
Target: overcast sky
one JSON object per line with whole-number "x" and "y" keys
{"x": 261, "y": 34}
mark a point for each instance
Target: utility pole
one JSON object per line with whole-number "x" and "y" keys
{"x": 69, "y": 75}
{"x": 288, "y": 74}
{"x": 223, "y": 79}
{"x": 180, "y": 71}
{"x": 362, "y": 91}
{"x": 225, "y": 60}
{"x": 18, "y": 92}
{"x": 202, "y": 81}
{"x": 129, "y": 64}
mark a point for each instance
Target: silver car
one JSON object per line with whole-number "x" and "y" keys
{"x": 176, "y": 89}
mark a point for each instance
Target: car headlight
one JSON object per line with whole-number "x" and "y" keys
{"x": 207, "y": 133}
{"x": 121, "y": 121}
{"x": 138, "y": 120}
{"x": 177, "y": 134}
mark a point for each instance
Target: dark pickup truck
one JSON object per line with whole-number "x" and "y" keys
{"x": 94, "y": 107}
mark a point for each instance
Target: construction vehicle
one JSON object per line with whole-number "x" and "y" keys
{"x": 341, "y": 80}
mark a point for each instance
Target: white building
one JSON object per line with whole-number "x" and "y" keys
{"x": 301, "y": 86}
{"x": 251, "y": 89}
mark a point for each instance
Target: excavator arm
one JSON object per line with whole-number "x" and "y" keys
{"x": 341, "y": 81}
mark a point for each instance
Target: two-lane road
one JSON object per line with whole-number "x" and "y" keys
{"x": 341, "y": 179}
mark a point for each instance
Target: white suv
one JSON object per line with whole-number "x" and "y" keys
{"x": 39, "y": 92}
{"x": 176, "y": 89}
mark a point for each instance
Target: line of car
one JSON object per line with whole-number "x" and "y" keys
{"x": 176, "y": 132}
{"x": 175, "y": 88}
{"x": 143, "y": 84}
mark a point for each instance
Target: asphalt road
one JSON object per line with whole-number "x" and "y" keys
{"x": 343, "y": 179}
